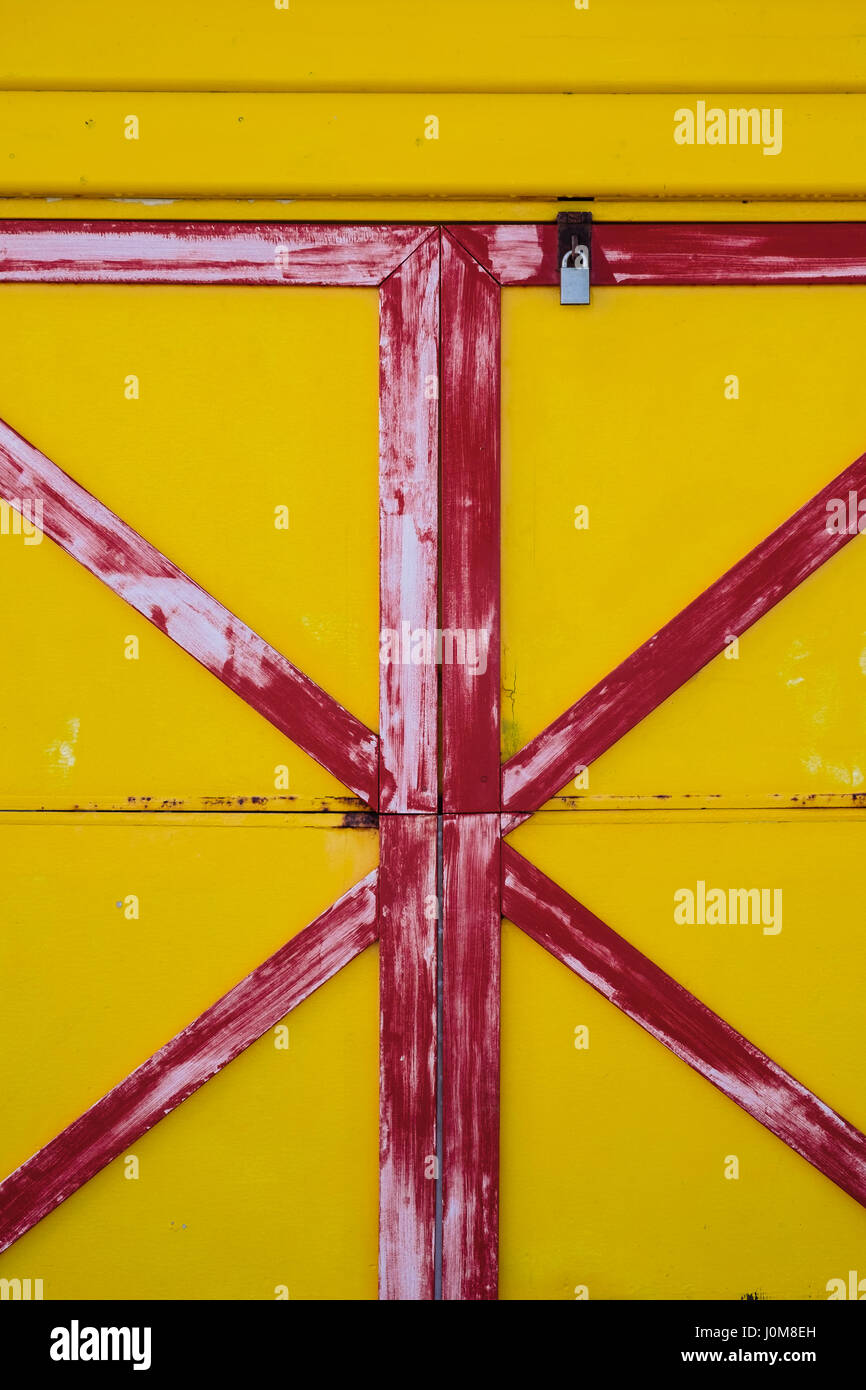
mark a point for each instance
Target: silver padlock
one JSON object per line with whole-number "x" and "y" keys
{"x": 574, "y": 277}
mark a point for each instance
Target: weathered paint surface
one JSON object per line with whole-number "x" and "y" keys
{"x": 470, "y": 531}
{"x": 409, "y": 527}
{"x": 188, "y": 1061}
{"x": 693, "y": 1032}
{"x": 408, "y": 1141}
{"x": 471, "y": 972}
{"x": 624, "y": 253}
{"x": 213, "y": 253}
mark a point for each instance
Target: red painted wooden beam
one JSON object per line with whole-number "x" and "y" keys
{"x": 174, "y": 603}
{"x": 408, "y": 1141}
{"x": 471, "y": 931}
{"x": 470, "y": 532}
{"x": 678, "y": 253}
{"x": 203, "y": 253}
{"x": 409, "y": 533}
{"x": 680, "y": 649}
{"x": 216, "y": 1037}
{"x": 471, "y": 915}
{"x": 676, "y": 1018}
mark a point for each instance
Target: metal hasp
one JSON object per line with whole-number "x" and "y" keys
{"x": 575, "y": 250}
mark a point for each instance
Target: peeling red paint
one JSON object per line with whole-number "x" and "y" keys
{"x": 408, "y": 1141}
{"x": 409, "y": 526}
{"x": 470, "y": 528}
{"x": 203, "y": 253}
{"x": 671, "y": 253}
{"x": 471, "y": 978}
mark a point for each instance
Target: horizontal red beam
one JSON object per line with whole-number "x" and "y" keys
{"x": 174, "y": 603}
{"x": 203, "y": 253}
{"x": 286, "y": 253}
{"x": 157, "y": 1087}
{"x": 676, "y": 1018}
{"x": 680, "y": 649}
{"x": 678, "y": 253}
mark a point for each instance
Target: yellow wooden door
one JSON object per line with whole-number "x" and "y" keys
{"x": 163, "y": 845}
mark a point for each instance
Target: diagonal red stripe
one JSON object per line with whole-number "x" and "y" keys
{"x": 678, "y": 651}
{"x": 692, "y": 1031}
{"x": 216, "y": 1037}
{"x": 168, "y": 598}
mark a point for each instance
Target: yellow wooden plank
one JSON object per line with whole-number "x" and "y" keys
{"x": 418, "y": 145}
{"x": 549, "y": 45}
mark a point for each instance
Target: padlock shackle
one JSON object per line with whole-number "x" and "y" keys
{"x": 576, "y": 250}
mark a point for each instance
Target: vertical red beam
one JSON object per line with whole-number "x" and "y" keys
{"x": 408, "y": 531}
{"x": 470, "y": 531}
{"x": 408, "y": 772}
{"x": 408, "y": 1157}
{"x": 471, "y": 916}
{"x": 471, "y": 923}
